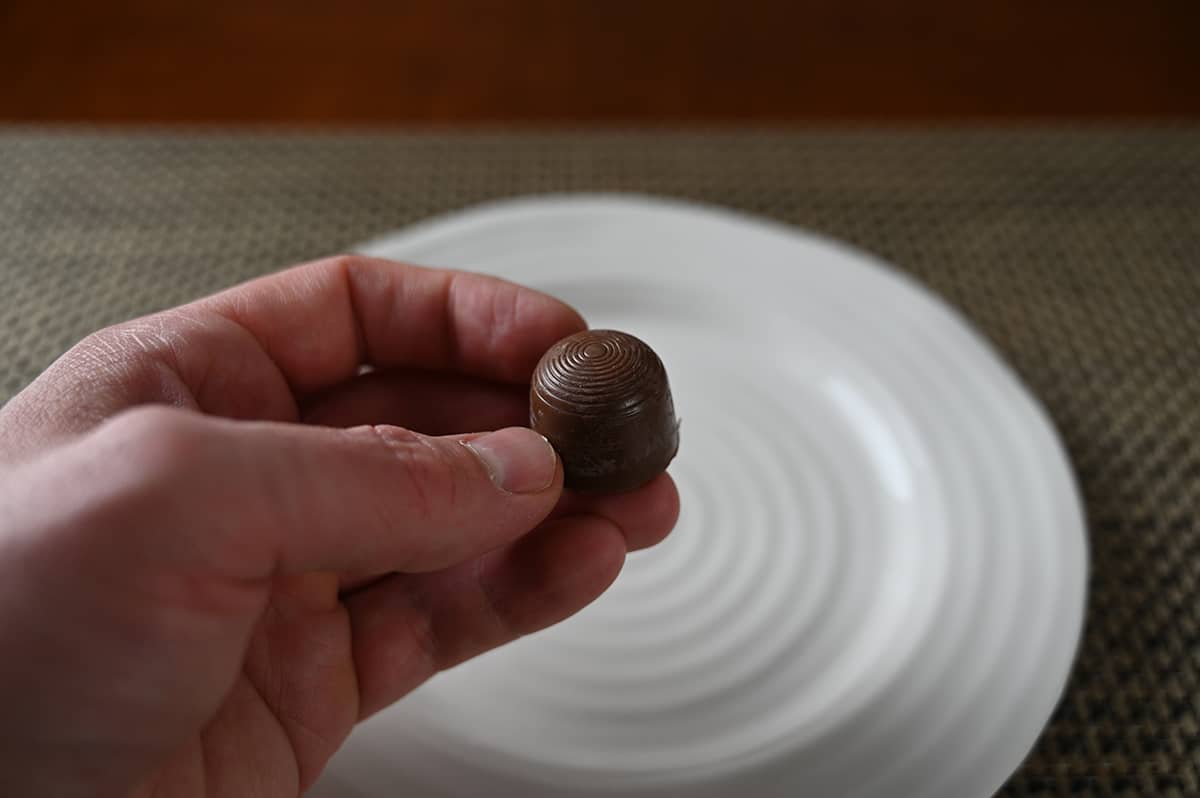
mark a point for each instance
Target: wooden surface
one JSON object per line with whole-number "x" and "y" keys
{"x": 457, "y": 61}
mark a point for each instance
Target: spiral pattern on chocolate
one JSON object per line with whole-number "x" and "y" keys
{"x": 599, "y": 374}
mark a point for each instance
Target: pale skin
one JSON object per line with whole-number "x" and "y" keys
{"x": 232, "y": 530}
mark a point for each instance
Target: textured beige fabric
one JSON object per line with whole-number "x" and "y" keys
{"x": 1076, "y": 252}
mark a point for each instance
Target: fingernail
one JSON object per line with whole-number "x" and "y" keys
{"x": 518, "y": 459}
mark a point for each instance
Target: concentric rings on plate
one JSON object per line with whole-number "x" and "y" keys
{"x": 876, "y": 585}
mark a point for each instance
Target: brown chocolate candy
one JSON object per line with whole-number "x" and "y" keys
{"x": 602, "y": 400}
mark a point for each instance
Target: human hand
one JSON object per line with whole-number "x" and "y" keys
{"x": 217, "y": 555}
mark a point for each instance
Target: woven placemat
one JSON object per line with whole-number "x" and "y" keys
{"x": 1076, "y": 252}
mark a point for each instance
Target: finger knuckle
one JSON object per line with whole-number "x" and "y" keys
{"x": 132, "y": 359}
{"x": 150, "y": 335}
{"x": 343, "y": 261}
{"x": 429, "y": 473}
{"x": 360, "y": 274}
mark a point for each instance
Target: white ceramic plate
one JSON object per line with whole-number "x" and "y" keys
{"x": 877, "y": 583}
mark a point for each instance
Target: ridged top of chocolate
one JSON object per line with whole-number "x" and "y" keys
{"x": 600, "y": 374}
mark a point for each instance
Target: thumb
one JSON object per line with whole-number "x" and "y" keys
{"x": 264, "y": 498}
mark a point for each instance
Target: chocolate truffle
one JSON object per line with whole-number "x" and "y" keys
{"x": 602, "y": 400}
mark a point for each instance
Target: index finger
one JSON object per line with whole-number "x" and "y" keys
{"x": 321, "y": 321}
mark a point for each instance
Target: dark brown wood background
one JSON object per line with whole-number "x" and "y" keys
{"x": 458, "y": 61}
